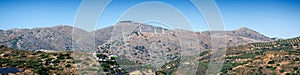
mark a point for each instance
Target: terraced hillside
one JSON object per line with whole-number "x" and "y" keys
{"x": 277, "y": 57}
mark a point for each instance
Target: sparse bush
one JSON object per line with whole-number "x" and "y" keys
{"x": 269, "y": 67}
{"x": 271, "y": 62}
{"x": 203, "y": 53}
{"x": 56, "y": 61}
{"x": 68, "y": 65}
{"x": 281, "y": 71}
{"x": 69, "y": 57}
{"x": 277, "y": 64}
{"x": 296, "y": 68}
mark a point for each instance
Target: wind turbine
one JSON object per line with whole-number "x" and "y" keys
{"x": 155, "y": 30}
{"x": 163, "y": 30}
{"x": 140, "y": 28}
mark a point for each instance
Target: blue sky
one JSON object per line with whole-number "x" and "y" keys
{"x": 273, "y": 18}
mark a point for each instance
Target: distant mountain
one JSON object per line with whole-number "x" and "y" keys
{"x": 246, "y": 32}
{"x": 245, "y": 35}
{"x": 60, "y": 37}
{"x": 51, "y": 38}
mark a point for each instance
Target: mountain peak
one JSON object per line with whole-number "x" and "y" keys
{"x": 245, "y": 29}
{"x": 247, "y": 32}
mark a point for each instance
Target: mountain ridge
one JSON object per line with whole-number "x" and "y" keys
{"x": 60, "y": 37}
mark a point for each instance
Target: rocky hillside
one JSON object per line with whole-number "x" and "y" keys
{"x": 161, "y": 46}
{"x": 60, "y": 37}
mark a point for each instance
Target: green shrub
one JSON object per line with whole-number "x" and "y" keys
{"x": 296, "y": 59}
{"x": 203, "y": 53}
{"x": 60, "y": 57}
{"x": 44, "y": 55}
{"x": 281, "y": 71}
{"x": 77, "y": 61}
{"x": 105, "y": 66}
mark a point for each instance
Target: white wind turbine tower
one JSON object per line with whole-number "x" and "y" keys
{"x": 163, "y": 30}
{"x": 178, "y": 28}
{"x": 140, "y": 28}
{"x": 155, "y": 30}
{"x": 123, "y": 35}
